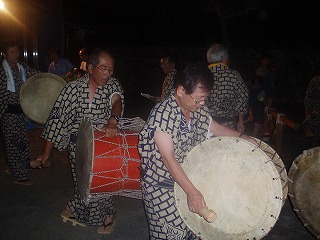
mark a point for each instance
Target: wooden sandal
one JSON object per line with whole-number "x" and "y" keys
{"x": 37, "y": 164}
{"x": 24, "y": 181}
{"x": 68, "y": 216}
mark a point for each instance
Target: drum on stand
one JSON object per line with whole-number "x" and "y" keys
{"x": 304, "y": 189}
{"x": 240, "y": 182}
{"x": 38, "y": 95}
{"x": 107, "y": 165}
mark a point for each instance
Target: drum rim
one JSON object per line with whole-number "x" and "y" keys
{"x": 291, "y": 176}
{"x": 285, "y": 187}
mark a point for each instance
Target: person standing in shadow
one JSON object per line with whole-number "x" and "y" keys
{"x": 59, "y": 66}
{"x": 84, "y": 55}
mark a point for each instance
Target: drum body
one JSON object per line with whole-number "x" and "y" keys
{"x": 304, "y": 189}
{"x": 107, "y": 165}
{"x": 240, "y": 182}
{"x": 38, "y": 95}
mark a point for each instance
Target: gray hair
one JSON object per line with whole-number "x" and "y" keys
{"x": 95, "y": 56}
{"x": 216, "y": 53}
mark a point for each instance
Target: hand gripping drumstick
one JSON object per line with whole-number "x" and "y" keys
{"x": 209, "y": 215}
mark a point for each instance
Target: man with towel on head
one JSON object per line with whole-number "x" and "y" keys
{"x": 12, "y": 120}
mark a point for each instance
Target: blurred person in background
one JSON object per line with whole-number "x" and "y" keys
{"x": 228, "y": 101}
{"x": 59, "y": 66}
{"x": 84, "y": 55}
{"x": 311, "y": 123}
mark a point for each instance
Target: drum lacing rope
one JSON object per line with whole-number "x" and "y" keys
{"x": 133, "y": 124}
{"x": 124, "y": 193}
{"x": 126, "y": 157}
{"x": 124, "y": 124}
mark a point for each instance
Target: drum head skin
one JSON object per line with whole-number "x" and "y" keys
{"x": 304, "y": 189}
{"x": 84, "y": 158}
{"x": 38, "y": 95}
{"x": 239, "y": 182}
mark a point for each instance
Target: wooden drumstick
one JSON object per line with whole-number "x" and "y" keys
{"x": 209, "y": 215}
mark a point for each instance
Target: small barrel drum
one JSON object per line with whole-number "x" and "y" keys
{"x": 107, "y": 165}
{"x": 304, "y": 189}
{"x": 245, "y": 185}
{"x": 38, "y": 95}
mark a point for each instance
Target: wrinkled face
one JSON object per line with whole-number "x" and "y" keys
{"x": 101, "y": 73}
{"x": 12, "y": 55}
{"x": 193, "y": 101}
{"x": 165, "y": 65}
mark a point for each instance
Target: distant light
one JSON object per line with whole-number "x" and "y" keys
{"x": 2, "y": 5}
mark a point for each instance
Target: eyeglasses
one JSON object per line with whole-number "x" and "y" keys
{"x": 104, "y": 68}
{"x": 202, "y": 101}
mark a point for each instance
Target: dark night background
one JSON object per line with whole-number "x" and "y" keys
{"x": 281, "y": 23}
{"x": 142, "y": 30}
{"x": 139, "y": 32}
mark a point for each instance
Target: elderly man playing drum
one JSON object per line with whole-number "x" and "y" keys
{"x": 97, "y": 96}
{"x": 174, "y": 127}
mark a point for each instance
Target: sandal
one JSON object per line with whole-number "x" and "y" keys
{"x": 37, "y": 164}
{"x": 106, "y": 228}
{"x": 68, "y": 216}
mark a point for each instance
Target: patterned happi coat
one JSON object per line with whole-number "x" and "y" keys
{"x": 62, "y": 128}
{"x": 13, "y": 124}
{"x": 157, "y": 183}
{"x": 229, "y": 95}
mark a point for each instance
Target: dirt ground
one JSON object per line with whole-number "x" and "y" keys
{"x": 33, "y": 212}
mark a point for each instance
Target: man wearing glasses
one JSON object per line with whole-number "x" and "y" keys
{"x": 98, "y": 96}
{"x": 174, "y": 127}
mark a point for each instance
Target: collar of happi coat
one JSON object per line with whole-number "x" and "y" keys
{"x": 212, "y": 65}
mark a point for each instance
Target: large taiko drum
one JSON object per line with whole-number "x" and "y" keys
{"x": 107, "y": 165}
{"x": 245, "y": 184}
{"x": 38, "y": 95}
{"x": 304, "y": 189}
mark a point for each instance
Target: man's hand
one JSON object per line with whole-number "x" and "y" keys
{"x": 196, "y": 202}
{"x": 110, "y": 131}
